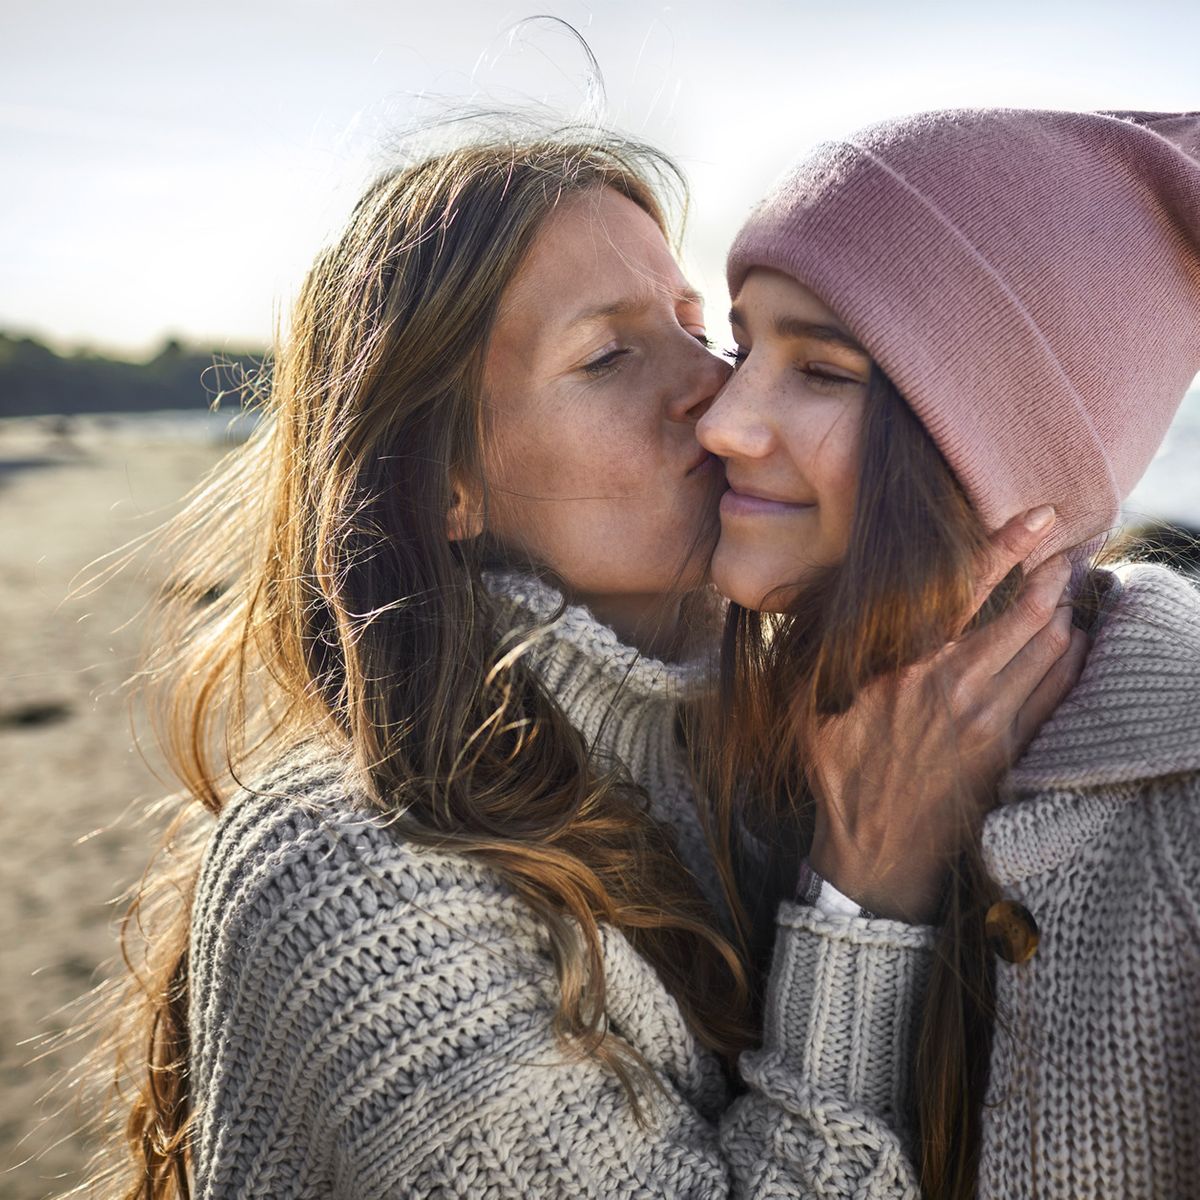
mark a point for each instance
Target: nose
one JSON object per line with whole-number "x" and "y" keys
{"x": 731, "y": 426}
{"x": 701, "y": 381}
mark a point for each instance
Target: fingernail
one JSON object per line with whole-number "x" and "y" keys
{"x": 1038, "y": 519}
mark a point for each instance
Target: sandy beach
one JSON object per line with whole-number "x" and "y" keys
{"x": 70, "y": 490}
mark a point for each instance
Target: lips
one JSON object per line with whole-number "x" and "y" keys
{"x": 742, "y": 501}
{"x": 743, "y": 489}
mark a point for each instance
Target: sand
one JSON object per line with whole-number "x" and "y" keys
{"x": 72, "y": 783}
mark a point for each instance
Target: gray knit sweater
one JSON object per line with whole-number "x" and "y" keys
{"x": 370, "y": 1018}
{"x": 1095, "y": 1080}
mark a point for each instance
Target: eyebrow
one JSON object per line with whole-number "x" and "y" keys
{"x": 817, "y": 331}
{"x": 633, "y": 304}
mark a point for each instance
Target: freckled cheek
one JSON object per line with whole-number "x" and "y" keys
{"x": 839, "y": 494}
{"x": 601, "y": 446}
{"x": 575, "y": 468}
{"x": 620, "y": 453}
{"x": 600, "y": 457}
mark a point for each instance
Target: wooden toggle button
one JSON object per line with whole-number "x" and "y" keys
{"x": 1012, "y": 931}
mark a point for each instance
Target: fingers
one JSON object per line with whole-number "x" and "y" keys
{"x": 1008, "y": 546}
{"x": 992, "y": 648}
{"x": 1016, "y": 683}
{"x": 1055, "y": 686}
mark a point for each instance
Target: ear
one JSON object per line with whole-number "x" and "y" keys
{"x": 464, "y": 520}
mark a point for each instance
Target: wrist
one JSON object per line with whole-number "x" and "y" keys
{"x": 817, "y": 892}
{"x": 907, "y": 891}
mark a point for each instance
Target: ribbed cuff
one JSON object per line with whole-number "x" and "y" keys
{"x": 843, "y": 1003}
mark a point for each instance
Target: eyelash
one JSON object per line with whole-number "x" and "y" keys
{"x": 606, "y": 363}
{"x": 819, "y": 378}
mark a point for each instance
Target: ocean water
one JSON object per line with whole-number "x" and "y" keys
{"x": 1170, "y": 489}
{"x": 95, "y": 430}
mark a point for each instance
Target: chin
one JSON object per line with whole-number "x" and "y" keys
{"x": 746, "y": 583}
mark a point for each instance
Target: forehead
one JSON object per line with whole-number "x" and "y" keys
{"x": 595, "y": 250}
{"x": 766, "y": 294}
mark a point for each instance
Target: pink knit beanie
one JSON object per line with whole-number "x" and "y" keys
{"x": 1030, "y": 281}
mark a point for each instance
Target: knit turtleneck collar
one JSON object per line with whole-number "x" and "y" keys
{"x": 622, "y": 702}
{"x": 1135, "y": 713}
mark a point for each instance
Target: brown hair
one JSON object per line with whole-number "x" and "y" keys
{"x": 346, "y": 615}
{"x": 902, "y": 590}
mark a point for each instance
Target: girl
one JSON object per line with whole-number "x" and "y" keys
{"x": 456, "y": 928}
{"x": 940, "y": 321}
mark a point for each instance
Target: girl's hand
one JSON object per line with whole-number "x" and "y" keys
{"x": 910, "y": 768}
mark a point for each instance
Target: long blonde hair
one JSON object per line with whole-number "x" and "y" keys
{"x": 344, "y": 615}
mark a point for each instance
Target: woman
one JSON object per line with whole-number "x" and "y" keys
{"x": 941, "y": 321}
{"x": 457, "y": 928}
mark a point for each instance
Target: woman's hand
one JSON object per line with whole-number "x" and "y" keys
{"x": 902, "y": 775}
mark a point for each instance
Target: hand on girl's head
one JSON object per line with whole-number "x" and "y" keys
{"x": 920, "y": 753}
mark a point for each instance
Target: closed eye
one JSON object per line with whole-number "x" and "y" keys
{"x": 824, "y": 378}
{"x": 605, "y": 364}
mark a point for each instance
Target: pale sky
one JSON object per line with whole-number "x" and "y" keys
{"x": 171, "y": 168}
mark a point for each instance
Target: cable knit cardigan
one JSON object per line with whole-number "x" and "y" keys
{"x": 370, "y": 1018}
{"x": 1095, "y": 1076}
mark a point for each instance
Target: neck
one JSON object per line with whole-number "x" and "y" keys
{"x": 649, "y": 623}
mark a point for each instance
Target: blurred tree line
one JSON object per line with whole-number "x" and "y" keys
{"x": 34, "y": 380}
